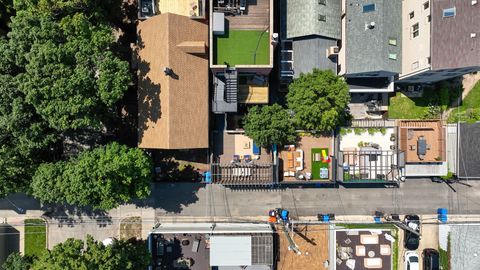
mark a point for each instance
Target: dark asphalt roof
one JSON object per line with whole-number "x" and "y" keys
{"x": 469, "y": 150}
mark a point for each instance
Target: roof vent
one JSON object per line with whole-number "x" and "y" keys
{"x": 474, "y": 2}
{"x": 370, "y": 25}
{"x": 473, "y": 35}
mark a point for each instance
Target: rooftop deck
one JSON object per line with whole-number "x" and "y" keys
{"x": 365, "y": 249}
{"x": 241, "y": 37}
{"x": 189, "y": 8}
{"x": 432, "y": 132}
{"x": 242, "y": 47}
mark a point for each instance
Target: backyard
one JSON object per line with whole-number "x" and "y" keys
{"x": 430, "y": 105}
{"x": 35, "y": 236}
{"x": 469, "y": 110}
{"x": 242, "y": 47}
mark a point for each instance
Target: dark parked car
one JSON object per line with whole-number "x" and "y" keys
{"x": 431, "y": 259}
{"x": 412, "y": 240}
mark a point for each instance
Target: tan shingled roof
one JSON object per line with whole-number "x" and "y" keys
{"x": 173, "y": 110}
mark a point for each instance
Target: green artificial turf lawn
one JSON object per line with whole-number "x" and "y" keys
{"x": 35, "y": 236}
{"x": 316, "y": 165}
{"x": 237, "y": 47}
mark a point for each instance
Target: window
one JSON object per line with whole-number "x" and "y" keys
{"x": 449, "y": 12}
{"x": 412, "y": 14}
{"x": 392, "y": 56}
{"x": 429, "y": 18}
{"x": 368, "y": 8}
{"x": 322, "y": 18}
{"x": 415, "y": 30}
{"x": 415, "y": 65}
{"x": 426, "y": 5}
{"x": 392, "y": 41}
{"x": 429, "y": 60}
{"x": 322, "y": 2}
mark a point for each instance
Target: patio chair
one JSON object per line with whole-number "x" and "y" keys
{"x": 428, "y": 146}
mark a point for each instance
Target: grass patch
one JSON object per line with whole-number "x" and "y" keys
{"x": 433, "y": 102}
{"x": 35, "y": 236}
{"x": 316, "y": 165}
{"x": 445, "y": 256}
{"x": 469, "y": 110}
{"x": 131, "y": 228}
{"x": 242, "y": 47}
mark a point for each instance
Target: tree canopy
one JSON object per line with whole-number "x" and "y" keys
{"x": 61, "y": 74}
{"x": 91, "y": 254}
{"x": 102, "y": 178}
{"x": 269, "y": 125}
{"x": 318, "y": 100}
{"x": 16, "y": 261}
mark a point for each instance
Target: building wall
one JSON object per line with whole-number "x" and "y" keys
{"x": 416, "y": 50}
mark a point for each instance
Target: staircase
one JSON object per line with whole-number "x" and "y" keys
{"x": 231, "y": 87}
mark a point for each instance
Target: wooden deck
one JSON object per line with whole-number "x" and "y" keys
{"x": 257, "y": 16}
{"x": 252, "y": 94}
{"x": 434, "y": 134}
{"x": 312, "y": 240}
{"x": 181, "y": 7}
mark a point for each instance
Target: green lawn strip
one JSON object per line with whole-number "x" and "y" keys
{"x": 35, "y": 236}
{"x": 316, "y": 165}
{"x": 402, "y": 107}
{"x": 445, "y": 256}
{"x": 238, "y": 47}
{"x": 471, "y": 103}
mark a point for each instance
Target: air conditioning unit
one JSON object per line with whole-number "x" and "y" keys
{"x": 473, "y": 35}
{"x": 474, "y": 2}
{"x": 333, "y": 51}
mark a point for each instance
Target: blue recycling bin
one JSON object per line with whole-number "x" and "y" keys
{"x": 442, "y": 215}
{"x": 208, "y": 177}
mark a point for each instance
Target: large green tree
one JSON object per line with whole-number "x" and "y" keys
{"x": 25, "y": 139}
{"x": 269, "y": 125}
{"x": 16, "y": 261}
{"x": 103, "y": 178}
{"x": 318, "y": 100}
{"x": 60, "y": 77}
{"x": 91, "y": 254}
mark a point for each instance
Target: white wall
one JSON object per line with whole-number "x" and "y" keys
{"x": 415, "y": 49}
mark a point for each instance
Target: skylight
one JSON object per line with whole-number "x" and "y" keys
{"x": 449, "y": 12}
{"x": 368, "y": 8}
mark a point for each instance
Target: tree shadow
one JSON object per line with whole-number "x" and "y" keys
{"x": 149, "y": 106}
{"x": 69, "y": 215}
{"x": 170, "y": 197}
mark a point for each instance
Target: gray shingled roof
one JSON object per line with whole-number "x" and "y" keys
{"x": 303, "y": 18}
{"x": 368, "y": 50}
{"x": 311, "y": 52}
{"x": 469, "y": 151}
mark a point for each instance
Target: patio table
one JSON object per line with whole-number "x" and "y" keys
{"x": 421, "y": 147}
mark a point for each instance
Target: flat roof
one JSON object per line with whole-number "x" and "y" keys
{"x": 230, "y": 250}
{"x": 172, "y": 108}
